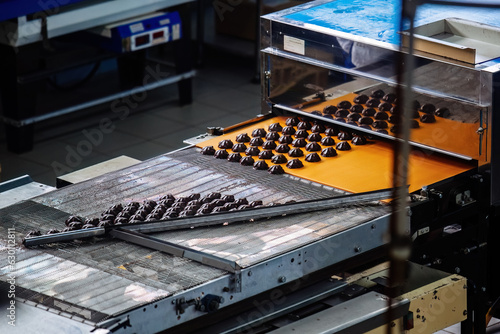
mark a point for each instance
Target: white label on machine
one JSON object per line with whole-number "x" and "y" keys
{"x": 165, "y": 22}
{"x": 176, "y": 31}
{"x": 295, "y": 45}
{"x": 136, "y": 27}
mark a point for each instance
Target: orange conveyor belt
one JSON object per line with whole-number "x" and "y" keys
{"x": 363, "y": 168}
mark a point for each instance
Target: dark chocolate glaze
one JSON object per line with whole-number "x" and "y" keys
{"x": 282, "y": 148}
{"x": 327, "y": 141}
{"x": 240, "y": 147}
{"x": 266, "y": 155}
{"x": 260, "y": 165}
{"x": 313, "y": 137}
{"x": 279, "y": 159}
{"x": 226, "y": 143}
{"x": 313, "y": 157}
{"x": 361, "y": 99}
{"x": 329, "y": 110}
{"x": 276, "y": 169}
{"x": 294, "y": 163}
{"x": 259, "y": 133}
{"x": 242, "y": 138}
{"x": 343, "y": 146}
{"x": 329, "y": 152}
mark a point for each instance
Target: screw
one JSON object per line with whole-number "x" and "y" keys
{"x": 250, "y": 273}
{"x": 282, "y": 279}
{"x": 174, "y": 301}
{"x": 373, "y": 226}
{"x": 357, "y": 249}
{"x": 393, "y": 324}
{"x": 483, "y": 289}
{"x": 465, "y": 312}
{"x": 225, "y": 289}
{"x": 457, "y": 270}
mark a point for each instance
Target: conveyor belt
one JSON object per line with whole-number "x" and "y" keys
{"x": 363, "y": 168}
{"x": 97, "y": 279}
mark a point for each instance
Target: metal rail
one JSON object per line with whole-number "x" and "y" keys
{"x": 218, "y": 218}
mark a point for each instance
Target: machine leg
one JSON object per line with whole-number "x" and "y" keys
{"x": 131, "y": 69}
{"x": 183, "y": 57}
{"x": 19, "y": 98}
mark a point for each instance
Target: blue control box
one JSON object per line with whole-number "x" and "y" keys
{"x": 139, "y": 33}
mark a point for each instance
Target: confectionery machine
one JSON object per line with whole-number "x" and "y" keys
{"x": 293, "y": 220}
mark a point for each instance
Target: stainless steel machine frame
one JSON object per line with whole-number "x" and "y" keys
{"x": 303, "y": 53}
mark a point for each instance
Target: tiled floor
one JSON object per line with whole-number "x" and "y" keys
{"x": 223, "y": 95}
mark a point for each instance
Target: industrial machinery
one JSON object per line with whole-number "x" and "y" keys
{"x": 300, "y": 242}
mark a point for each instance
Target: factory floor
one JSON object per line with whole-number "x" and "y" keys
{"x": 223, "y": 95}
